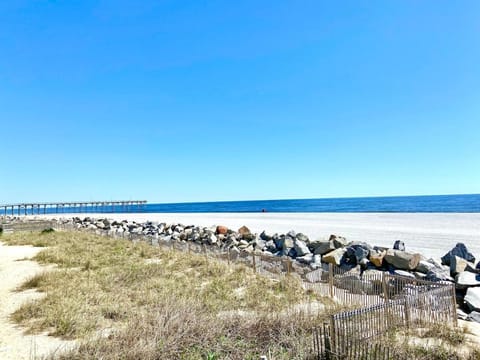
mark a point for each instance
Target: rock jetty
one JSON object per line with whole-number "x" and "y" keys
{"x": 457, "y": 266}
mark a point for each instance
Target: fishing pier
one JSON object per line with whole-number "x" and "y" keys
{"x": 72, "y": 207}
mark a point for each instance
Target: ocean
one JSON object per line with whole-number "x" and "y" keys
{"x": 390, "y": 204}
{"x": 403, "y": 204}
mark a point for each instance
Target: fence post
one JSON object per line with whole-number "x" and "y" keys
{"x": 333, "y": 340}
{"x": 330, "y": 280}
{"x": 454, "y": 306}
{"x": 387, "y": 300}
{"x": 407, "y": 313}
{"x": 228, "y": 256}
{"x": 254, "y": 264}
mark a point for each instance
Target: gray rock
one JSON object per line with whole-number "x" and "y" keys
{"x": 259, "y": 243}
{"x": 270, "y": 246}
{"x": 356, "y": 253}
{"x": 424, "y": 266}
{"x": 473, "y": 316}
{"x": 338, "y": 241}
{"x": 462, "y": 315}
{"x": 301, "y": 248}
{"x": 212, "y": 239}
{"x": 399, "y": 245}
{"x": 459, "y": 250}
{"x": 472, "y": 299}
{"x": 439, "y": 274}
{"x": 322, "y": 247}
{"x": 305, "y": 259}
{"x": 265, "y": 236}
{"x": 401, "y": 259}
{"x": 292, "y": 234}
{"x": 286, "y": 243}
{"x": 467, "y": 279}
{"x": 302, "y": 237}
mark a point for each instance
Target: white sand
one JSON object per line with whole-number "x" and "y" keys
{"x": 431, "y": 234}
{"x": 14, "y": 344}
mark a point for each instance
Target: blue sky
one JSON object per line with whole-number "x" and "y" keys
{"x": 175, "y": 101}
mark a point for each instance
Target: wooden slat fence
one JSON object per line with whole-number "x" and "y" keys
{"x": 352, "y": 348}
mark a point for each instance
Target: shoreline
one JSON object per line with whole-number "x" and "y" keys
{"x": 430, "y": 234}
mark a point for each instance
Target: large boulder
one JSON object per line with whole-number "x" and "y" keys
{"x": 320, "y": 247}
{"x": 356, "y": 253}
{"x": 401, "y": 259}
{"x": 424, "y": 266}
{"x": 334, "y": 257}
{"x": 438, "y": 274}
{"x": 459, "y": 250}
{"x": 376, "y": 257}
{"x": 301, "y": 248}
{"x": 458, "y": 265}
{"x": 472, "y": 299}
{"x": 222, "y": 230}
{"x": 338, "y": 241}
{"x": 302, "y": 237}
{"x": 467, "y": 279}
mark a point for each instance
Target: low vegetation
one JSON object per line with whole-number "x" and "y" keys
{"x": 135, "y": 301}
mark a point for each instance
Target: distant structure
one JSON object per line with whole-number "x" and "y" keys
{"x": 72, "y": 207}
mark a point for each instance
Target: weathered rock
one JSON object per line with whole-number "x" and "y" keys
{"x": 424, "y": 266}
{"x": 212, "y": 239}
{"x": 459, "y": 250}
{"x": 301, "y": 248}
{"x": 285, "y": 243}
{"x": 302, "y": 237}
{"x": 473, "y": 316}
{"x": 244, "y": 231}
{"x": 458, "y": 265}
{"x": 438, "y": 274}
{"x": 305, "y": 259}
{"x": 338, "y": 241}
{"x": 270, "y": 245}
{"x": 319, "y": 247}
{"x": 292, "y": 234}
{"x": 401, "y": 259}
{"x": 259, "y": 243}
{"x": 334, "y": 257}
{"x": 356, "y": 253}
{"x": 467, "y": 279}
{"x": 265, "y": 236}
{"x": 399, "y": 245}
{"x": 376, "y": 257}
{"x": 472, "y": 299}
{"x": 462, "y": 315}
{"x": 222, "y": 230}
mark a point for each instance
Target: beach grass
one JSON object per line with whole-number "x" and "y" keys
{"x": 132, "y": 300}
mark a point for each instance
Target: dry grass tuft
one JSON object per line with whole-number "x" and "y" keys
{"x": 160, "y": 303}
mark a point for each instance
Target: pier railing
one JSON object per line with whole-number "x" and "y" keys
{"x": 71, "y": 207}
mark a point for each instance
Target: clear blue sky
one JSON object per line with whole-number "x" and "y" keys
{"x": 175, "y": 101}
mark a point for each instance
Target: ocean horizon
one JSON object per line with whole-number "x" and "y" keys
{"x": 465, "y": 203}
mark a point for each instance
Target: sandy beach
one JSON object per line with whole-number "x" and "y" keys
{"x": 431, "y": 234}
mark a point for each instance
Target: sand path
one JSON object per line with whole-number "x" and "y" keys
{"x": 14, "y": 344}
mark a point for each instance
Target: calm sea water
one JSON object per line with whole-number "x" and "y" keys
{"x": 441, "y": 203}
{"x": 403, "y": 204}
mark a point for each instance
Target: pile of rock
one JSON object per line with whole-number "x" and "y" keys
{"x": 296, "y": 246}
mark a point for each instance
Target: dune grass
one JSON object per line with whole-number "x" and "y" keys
{"x": 134, "y": 301}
